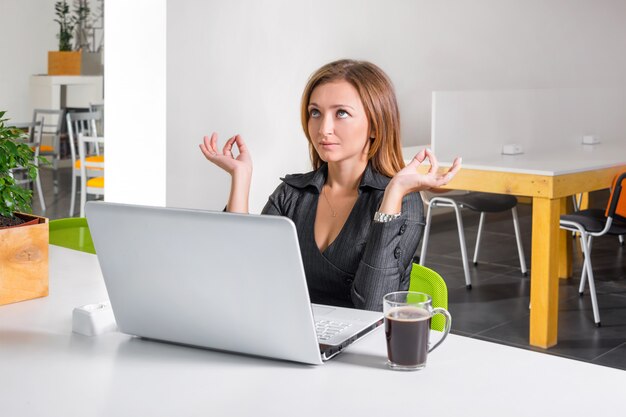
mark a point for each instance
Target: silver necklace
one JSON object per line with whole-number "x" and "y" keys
{"x": 328, "y": 202}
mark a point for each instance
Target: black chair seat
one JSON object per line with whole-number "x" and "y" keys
{"x": 485, "y": 202}
{"x": 593, "y": 221}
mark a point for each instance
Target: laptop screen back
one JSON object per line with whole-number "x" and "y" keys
{"x": 211, "y": 279}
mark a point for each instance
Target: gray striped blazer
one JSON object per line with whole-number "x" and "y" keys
{"x": 367, "y": 259}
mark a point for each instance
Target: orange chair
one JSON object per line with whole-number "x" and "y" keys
{"x": 93, "y": 185}
{"x": 85, "y": 123}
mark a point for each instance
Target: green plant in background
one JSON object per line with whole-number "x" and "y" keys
{"x": 66, "y": 25}
{"x": 14, "y": 154}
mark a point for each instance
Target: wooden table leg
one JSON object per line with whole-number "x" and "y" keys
{"x": 565, "y": 243}
{"x": 544, "y": 288}
{"x": 584, "y": 202}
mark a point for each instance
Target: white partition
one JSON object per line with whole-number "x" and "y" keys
{"x": 135, "y": 94}
{"x": 475, "y": 124}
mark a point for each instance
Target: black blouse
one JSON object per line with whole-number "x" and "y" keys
{"x": 367, "y": 259}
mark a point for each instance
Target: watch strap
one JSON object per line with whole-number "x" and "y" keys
{"x": 384, "y": 217}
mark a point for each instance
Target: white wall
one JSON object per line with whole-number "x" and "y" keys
{"x": 27, "y": 32}
{"x": 239, "y": 66}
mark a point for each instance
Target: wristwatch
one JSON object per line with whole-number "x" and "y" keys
{"x": 384, "y": 217}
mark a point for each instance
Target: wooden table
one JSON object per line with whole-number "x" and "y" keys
{"x": 548, "y": 178}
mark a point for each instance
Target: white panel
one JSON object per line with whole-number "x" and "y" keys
{"x": 475, "y": 124}
{"x": 135, "y": 83}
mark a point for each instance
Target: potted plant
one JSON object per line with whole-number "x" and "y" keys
{"x": 23, "y": 237}
{"x": 78, "y": 25}
{"x": 65, "y": 61}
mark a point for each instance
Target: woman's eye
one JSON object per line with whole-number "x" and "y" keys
{"x": 315, "y": 113}
{"x": 342, "y": 114}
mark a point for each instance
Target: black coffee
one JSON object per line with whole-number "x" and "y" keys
{"x": 407, "y": 329}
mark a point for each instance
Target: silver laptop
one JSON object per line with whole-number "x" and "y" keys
{"x": 217, "y": 280}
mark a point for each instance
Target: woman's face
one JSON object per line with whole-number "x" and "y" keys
{"x": 338, "y": 125}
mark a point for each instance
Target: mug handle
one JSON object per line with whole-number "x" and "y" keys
{"x": 446, "y": 328}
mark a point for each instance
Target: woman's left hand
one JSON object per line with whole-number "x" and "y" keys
{"x": 410, "y": 180}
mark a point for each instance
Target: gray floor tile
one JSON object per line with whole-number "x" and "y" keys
{"x": 615, "y": 358}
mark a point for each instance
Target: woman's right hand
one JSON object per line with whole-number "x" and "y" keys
{"x": 242, "y": 164}
{"x": 239, "y": 168}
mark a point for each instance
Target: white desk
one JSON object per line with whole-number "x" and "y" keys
{"x": 49, "y": 371}
{"x": 580, "y": 158}
{"x": 60, "y": 91}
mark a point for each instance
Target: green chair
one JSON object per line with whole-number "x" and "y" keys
{"x": 72, "y": 233}
{"x": 428, "y": 281}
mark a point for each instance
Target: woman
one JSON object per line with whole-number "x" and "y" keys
{"x": 359, "y": 215}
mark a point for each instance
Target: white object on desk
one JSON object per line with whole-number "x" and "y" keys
{"x": 591, "y": 140}
{"x": 93, "y": 319}
{"x": 512, "y": 149}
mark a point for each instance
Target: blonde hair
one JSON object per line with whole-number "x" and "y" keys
{"x": 381, "y": 108}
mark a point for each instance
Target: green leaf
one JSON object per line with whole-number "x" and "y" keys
{"x": 14, "y": 153}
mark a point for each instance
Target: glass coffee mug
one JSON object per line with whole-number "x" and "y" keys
{"x": 407, "y": 328}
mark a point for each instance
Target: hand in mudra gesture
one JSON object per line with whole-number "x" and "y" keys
{"x": 225, "y": 158}
{"x": 410, "y": 180}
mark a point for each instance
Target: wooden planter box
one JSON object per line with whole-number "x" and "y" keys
{"x": 74, "y": 63}
{"x": 64, "y": 62}
{"x": 24, "y": 261}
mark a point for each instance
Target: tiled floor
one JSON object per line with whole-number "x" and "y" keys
{"x": 496, "y": 309}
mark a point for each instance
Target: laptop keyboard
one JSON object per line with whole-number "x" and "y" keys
{"x": 327, "y": 329}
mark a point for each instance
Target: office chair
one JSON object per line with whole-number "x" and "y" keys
{"x": 476, "y": 201}
{"x": 72, "y": 233}
{"x": 83, "y": 122}
{"x": 98, "y": 108}
{"x": 89, "y": 184}
{"x": 577, "y": 202}
{"x": 52, "y": 121}
{"x": 429, "y": 282}
{"x": 32, "y": 139}
{"x": 592, "y": 223}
